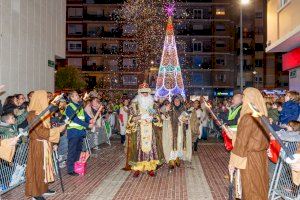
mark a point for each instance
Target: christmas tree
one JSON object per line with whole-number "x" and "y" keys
{"x": 169, "y": 80}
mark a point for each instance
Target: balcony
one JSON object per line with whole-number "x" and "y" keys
{"x": 92, "y": 17}
{"x": 103, "y": 1}
{"x": 98, "y": 68}
{"x": 112, "y": 69}
{"x": 199, "y": 66}
{"x": 115, "y": 33}
{"x": 194, "y": 32}
{"x": 102, "y": 50}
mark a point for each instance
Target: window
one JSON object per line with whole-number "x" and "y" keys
{"x": 129, "y": 29}
{"x": 75, "y": 12}
{"x": 258, "y": 79}
{"x": 220, "y": 27}
{"x": 198, "y": 13}
{"x": 259, "y": 47}
{"x": 220, "y": 11}
{"x": 114, "y": 81}
{"x": 75, "y": 46}
{"x": 220, "y": 61}
{"x": 197, "y": 78}
{"x": 129, "y": 80}
{"x": 258, "y": 63}
{"x": 198, "y": 27}
{"x": 258, "y": 15}
{"x": 220, "y": 78}
{"x": 76, "y": 62}
{"x": 129, "y": 62}
{"x": 75, "y": 29}
{"x": 197, "y": 46}
{"x": 129, "y": 46}
{"x": 220, "y": 44}
{"x": 259, "y": 30}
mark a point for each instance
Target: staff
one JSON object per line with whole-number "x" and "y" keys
{"x": 96, "y": 117}
{"x": 37, "y": 119}
{"x": 218, "y": 122}
{"x": 55, "y": 156}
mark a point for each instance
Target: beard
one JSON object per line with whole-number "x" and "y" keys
{"x": 145, "y": 102}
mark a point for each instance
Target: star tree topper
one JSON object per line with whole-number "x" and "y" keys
{"x": 170, "y": 8}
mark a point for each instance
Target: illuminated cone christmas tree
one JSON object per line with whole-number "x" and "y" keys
{"x": 169, "y": 80}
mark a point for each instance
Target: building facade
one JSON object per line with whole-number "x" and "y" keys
{"x": 32, "y": 37}
{"x": 207, "y": 35}
{"x": 284, "y": 36}
{"x": 103, "y": 51}
{"x": 259, "y": 68}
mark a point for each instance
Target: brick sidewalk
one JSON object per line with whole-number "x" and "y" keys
{"x": 201, "y": 179}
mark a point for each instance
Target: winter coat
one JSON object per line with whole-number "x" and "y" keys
{"x": 290, "y": 111}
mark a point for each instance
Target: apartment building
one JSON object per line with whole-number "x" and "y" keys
{"x": 104, "y": 51}
{"x": 207, "y": 35}
{"x": 283, "y": 36}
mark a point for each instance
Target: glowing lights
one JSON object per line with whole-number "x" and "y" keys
{"x": 169, "y": 80}
{"x": 244, "y": 2}
{"x": 170, "y": 8}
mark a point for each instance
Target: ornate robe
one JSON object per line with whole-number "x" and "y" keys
{"x": 177, "y": 135}
{"x": 144, "y": 151}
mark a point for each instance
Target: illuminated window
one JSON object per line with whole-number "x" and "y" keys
{"x": 129, "y": 80}
{"x": 220, "y": 11}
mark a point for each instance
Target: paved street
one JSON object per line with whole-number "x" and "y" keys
{"x": 201, "y": 179}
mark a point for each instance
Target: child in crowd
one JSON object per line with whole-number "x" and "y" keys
{"x": 290, "y": 109}
{"x": 273, "y": 112}
{"x": 292, "y": 133}
{"x": 8, "y": 128}
{"x": 9, "y": 124}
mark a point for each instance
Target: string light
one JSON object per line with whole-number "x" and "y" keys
{"x": 146, "y": 19}
{"x": 169, "y": 80}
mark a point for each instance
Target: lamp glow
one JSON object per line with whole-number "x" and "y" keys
{"x": 245, "y": 2}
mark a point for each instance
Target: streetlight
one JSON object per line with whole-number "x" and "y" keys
{"x": 243, "y": 2}
{"x": 255, "y": 77}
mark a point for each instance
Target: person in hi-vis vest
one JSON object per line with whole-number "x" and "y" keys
{"x": 76, "y": 130}
{"x": 234, "y": 112}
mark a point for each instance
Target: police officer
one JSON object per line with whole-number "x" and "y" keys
{"x": 76, "y": 130}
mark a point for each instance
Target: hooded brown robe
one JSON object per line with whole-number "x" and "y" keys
{"x": 36, "y": 183}
{"x": 250, "y": 149}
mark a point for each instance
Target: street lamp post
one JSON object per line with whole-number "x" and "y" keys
{"x": 243, "y": 2}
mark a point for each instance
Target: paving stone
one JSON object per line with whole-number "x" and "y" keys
{"x": 201, "y": 179}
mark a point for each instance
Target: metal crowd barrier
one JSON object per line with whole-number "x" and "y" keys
{"x": 13, "y": 174}
{"x": 282, "y": 186}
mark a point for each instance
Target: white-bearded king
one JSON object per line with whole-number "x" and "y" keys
{"x": 143, "y": 151}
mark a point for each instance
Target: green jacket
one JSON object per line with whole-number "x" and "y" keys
{"x": 7, "y": 130}
{"x": 273, "y": 114}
